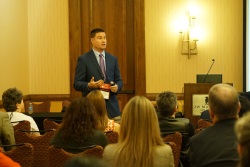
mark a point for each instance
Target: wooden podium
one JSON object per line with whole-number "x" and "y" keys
{"x": 189, "y": 90}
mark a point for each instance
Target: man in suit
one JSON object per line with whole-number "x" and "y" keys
{"x": 216, "y": 146}
{"x": 96, "y": 68}
{"x": 166, "y": 108}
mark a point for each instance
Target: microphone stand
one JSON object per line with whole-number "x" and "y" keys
{"x": 208, "y": 71}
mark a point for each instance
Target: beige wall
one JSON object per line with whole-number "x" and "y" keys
{"x": 48, "y": 46}
{"x": 34, "y": 44}
{"x": 14, "y": 58}
{"x": 221, "y": 38}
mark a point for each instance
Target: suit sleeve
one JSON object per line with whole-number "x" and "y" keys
{"x": 118, "y": 79}
{"x": 80, "y": 83}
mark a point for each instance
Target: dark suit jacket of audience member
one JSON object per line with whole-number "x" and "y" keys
{"x": 170, "y": 125}
{"x": 216, "y": 146}
{"x": 205, "y": 115}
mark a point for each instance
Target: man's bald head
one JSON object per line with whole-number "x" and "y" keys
{"x": 223, "y": 101}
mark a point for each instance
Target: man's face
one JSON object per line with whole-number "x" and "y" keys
{"x": 99, "y": 42}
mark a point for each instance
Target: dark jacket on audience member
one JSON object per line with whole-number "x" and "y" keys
{"x": 72, "y": 146}
{"x": 170, "y": 125}
{"x": 216, "y": 146}
{"x": 6, "y": 131}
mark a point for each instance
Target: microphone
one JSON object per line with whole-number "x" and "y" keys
{"x": 208, "y": 71}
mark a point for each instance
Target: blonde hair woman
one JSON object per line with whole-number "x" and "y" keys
{"x": 140, "y": 143}
{"x": 105, "y": 124}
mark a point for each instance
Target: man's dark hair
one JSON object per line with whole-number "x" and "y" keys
{"x": 166, "y": 103}
{"x": 245, "y": 105}
{"x": 94, "y": 31}
{"x": 10, "y": 98}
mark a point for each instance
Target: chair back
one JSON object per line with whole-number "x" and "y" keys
{"x": 177, "y": 139}
{"x": 41, "y": 107}
{"x": 58, "y": 156}
{"x": 50, "y": 124}
{"x": 23, "y": 154}
{"x": 40, "y": 143}
{"x": 112, "y": 137}
{"x": 22, "y": 125}
{"x": 175, "y": 152}
{"x": 202, "y": 123}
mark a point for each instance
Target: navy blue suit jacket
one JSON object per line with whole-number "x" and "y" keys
{"x": 88, "y": 67}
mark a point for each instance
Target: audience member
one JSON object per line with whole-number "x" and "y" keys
{"x": 6, "y": 161}
{"x": 80, "y": 161}
{"x": 245, "y": 105}
{"x": 205, "y": 115}
{"x": 242, "y": 130}
{"x": 78, "y": 127}
{"x": 105, "y": 124}
{"x": 140, "y": 143}
{"x": 12, "y": 100}
{"x": 216, "y": 146}
{"x": 166, "y": 108}
{"x": 6, "y": 131}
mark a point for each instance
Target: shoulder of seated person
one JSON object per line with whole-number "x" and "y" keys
{"x": 186, "y": 120}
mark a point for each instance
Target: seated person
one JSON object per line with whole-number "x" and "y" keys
{"x": 140, "y": 143}
{"x": 205, "y": 115}
{"x": 6, "y": 131}
{"x": 166, "y": 107}
{"x": 77, "y": 129}
{"x": 216, "y": 146}
{"x": 13, "y": 103}
{"x": 242, "y": 130}
{"x": 245, "y": 105}
{"x": 106, "y": 125}
{"x": 6, "y": 161}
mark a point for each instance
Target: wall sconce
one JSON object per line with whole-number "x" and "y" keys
{"x": 188, "y": 39}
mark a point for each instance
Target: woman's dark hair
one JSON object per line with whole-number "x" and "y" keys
{"x": 79, "y": 120}
{"x": 10, "y": 98}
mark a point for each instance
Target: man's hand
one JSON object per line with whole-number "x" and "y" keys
{"x": 92, "y": 84}
{"x": 114, "y": 88}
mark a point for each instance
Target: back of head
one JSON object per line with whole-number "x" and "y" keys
{"x": 98, "y": 101}
{"x": 245, "y": 105}
{"x": 10, "y": 98}
{"x": 242, "y": 130}
{"x": 224, "y": 101}
{"x": 79, "y": 119}
{"x": 139, "y": 133}
{"x": 166, "y": 103}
